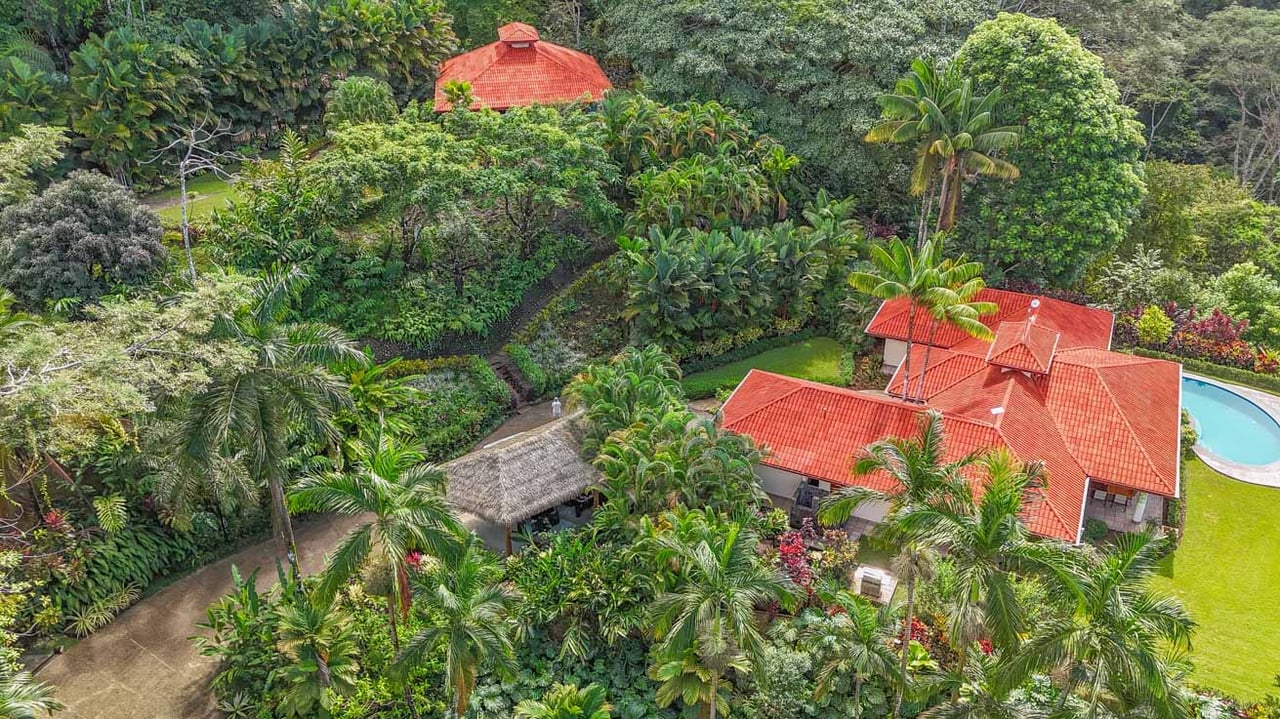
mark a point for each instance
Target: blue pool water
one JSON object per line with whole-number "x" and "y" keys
{"x": 1231, "y": 426}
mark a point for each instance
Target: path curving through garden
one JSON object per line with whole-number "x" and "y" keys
{"x": 143, "y": 664}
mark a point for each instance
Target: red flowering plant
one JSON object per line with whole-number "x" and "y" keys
{"x": 1267, "y": 361}
{"x": 1216, "y": 338}
{"x": 793, "y": 556}
{"x": 413, "y": 558}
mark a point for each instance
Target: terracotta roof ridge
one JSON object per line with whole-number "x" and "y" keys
{"x": 771, "y": 402}
{"x": 1133, "y": 434}
{"x": 544, "y": 49}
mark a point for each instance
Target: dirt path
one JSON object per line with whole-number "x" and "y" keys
{"x": 144, "y": 666}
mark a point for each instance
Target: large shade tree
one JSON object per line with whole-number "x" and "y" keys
{"x": 1079, "y": 154}
{"x": 79, "y": 239}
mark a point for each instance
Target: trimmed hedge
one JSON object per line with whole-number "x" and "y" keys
{"x": 1264, "y": 382}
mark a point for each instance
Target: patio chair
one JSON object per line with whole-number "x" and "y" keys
{"x": 1100, "y": 495}
{"x": 1122, "y": 500}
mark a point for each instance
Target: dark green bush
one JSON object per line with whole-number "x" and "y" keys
{"x": 1094, "y": 529}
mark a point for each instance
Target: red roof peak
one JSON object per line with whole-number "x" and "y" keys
{"x": 520, "y": 69}
{"x": 1023, "y": 346}
{"x": 518, "y": 34}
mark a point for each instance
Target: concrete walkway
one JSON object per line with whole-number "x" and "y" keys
{"x": 143, "y": 664}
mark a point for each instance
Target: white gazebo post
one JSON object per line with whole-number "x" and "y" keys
{"x": 1139, "y": 506}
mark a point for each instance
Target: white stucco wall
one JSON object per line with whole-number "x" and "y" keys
{"x": 894, "y": 352}
{"x": 781, "y": 483}
{"x": 778, "y": 482}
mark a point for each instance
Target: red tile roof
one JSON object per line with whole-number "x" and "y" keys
{"x": 817, "y": 430}
{"x": 1058, "y": 393}
{"x": 1023, "y": 346}
{"x": 1079, "y": 326}
{"x": 521, "y": 69}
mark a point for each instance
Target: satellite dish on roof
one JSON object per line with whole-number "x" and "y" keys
{"x": 1035, "y": 303}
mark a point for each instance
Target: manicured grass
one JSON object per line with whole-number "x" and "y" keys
{"x": 1227, "y": 571}
{"x": 210, "y": 193}
{"x": 816, "y": 359}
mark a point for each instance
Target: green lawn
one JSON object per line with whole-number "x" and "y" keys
{"x": 817, "y": 359}
{"x": 1227, "y": 571}
{"x": 210, "y": 193}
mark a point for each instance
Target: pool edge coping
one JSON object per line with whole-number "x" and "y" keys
{"x": 1264, "y": 475}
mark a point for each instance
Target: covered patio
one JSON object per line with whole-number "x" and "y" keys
{"x": 538, "y": 475}
{"x": 1123, "y": 509}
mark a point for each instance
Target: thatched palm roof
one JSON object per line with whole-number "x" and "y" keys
{"x": 518, "y": 477}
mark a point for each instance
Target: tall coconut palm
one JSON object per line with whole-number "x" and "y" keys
{"x": 710, "y": 603}
{"x": 952, "y": 303}
{"x": 567, "y": 701}
{"x": 470, "y": 620}
{"x": 988, "y": 542}
{"x": 285, "y": 391}
{"x": 1114, "y": 642}
{"x": 954, "y": 133}
{"x": 854, "y": 642}
{"x": 22, "y": 697}
{"x": 902, "y": 273}
{"x": 404, "y": 496}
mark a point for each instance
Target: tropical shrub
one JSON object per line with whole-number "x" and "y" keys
{"x": 79, "y": 239}
{"x": 706, "y": 293}
{"x": 1094, "y": 529}
{"x": 128, "y": 92}
{"x": 1154, "y": 327}
{"x": 460, "y": 401}
{"x": 358, "y": 100}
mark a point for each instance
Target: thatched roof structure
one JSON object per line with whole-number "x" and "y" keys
{"x": 518, "y": 477}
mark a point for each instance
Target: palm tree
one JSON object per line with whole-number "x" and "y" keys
{"x": 405, "y": 497}
{"x": 954, "y": 134}
{"x": 901, "y": 272}
{"x": 320, "y": 641}
{"x": 854, "y": 642}
{"x": 567, "y": 701}
{"x": 952, "y": 303}
{"x": 710, "y": 602}
{"x": 922, "y": 475}
{"x": 913, "y": 565}
{"x": 968, "y": 148}
{"x": 917, "y": 466}
{"x": 984, "y": 690}
{"x": 379, "y": 394}
{"x": 253, "y": 411}
{"x": 469, "y": 611}
{"x": 988, "y": 542}
{"x": 22, "y": 697}
{"x": 1114, "y": 642}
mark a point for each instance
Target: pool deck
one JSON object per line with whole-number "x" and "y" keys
{"x": 1267, "y": 475}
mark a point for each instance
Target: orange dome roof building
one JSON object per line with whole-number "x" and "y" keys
{"x": 522, "y": 69}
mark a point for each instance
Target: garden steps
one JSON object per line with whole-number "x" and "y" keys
{"x": 506, "y": 369}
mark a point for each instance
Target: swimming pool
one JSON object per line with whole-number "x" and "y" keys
{"x": 1231, "y": 426}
